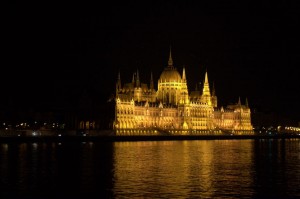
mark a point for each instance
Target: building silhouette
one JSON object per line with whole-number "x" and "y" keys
{"x": 142, "y": 110}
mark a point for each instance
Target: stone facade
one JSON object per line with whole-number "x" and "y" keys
{"x": 172, "y": 110}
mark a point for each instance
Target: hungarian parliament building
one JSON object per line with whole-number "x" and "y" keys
{"x": 173, "y": 110}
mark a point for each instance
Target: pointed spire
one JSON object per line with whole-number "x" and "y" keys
{"x": 213, "y": 90}
{"x": 247, "y": 105}
{"x": 137, "y": 78}
{"x": 239, "y": 102}
{"x": 183, "y": 75}
{"x": 133, "y": 79}
{"x": 151, "y": 82}
{"x": 206, "y": 86}
{"x": 170, "y": 62}
{"x": 119, "y": 81}
{"x": 206, "y": 78}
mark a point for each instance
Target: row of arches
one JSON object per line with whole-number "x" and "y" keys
{"x": 87, "y": 125}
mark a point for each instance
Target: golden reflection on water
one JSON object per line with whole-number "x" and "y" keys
{"x": 177, "y": 168}
{"x": 264, "y": 168}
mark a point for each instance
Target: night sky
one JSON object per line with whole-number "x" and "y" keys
{"x": 57, "y": 52}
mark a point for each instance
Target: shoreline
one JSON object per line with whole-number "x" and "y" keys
{"x": 139, "y": 138}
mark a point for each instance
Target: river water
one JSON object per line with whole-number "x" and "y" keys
{"x": 250, "y": 168}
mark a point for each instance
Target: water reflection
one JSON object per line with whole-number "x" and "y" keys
{"x": 162, "y": 169}
{"x": 277, "y": 168}
{"x": 183, "y": 168}
{"x": 55, "y": 170}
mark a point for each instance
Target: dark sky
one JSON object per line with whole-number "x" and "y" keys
{"x": 56, "y": 51}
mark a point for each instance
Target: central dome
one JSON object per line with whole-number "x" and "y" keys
{"x": 170, "y": 75}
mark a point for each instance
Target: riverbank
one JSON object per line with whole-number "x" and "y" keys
{"x": 140, "y": 138}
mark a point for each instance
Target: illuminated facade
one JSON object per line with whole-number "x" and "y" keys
{"x": 172, "y": 110}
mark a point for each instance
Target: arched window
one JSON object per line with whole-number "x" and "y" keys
{"x": 87, "y": 125}
{"x": 81, "y": 125}
{"x": 167, "y": 97}
{"x": 173, "y": 98}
